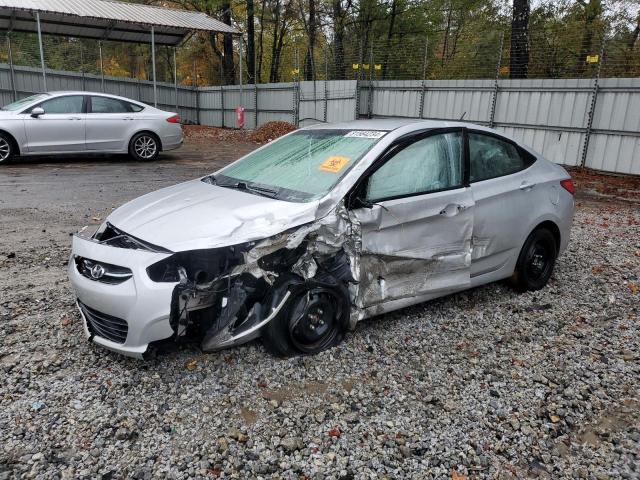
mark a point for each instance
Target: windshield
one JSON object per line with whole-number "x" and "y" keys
{"x": 12, "y": 107}
{"x": 302, "y": 166}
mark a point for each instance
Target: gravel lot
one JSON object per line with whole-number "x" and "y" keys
{"x": 482, "y": 384}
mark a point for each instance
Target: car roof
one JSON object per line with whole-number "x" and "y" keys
{"x": 58, "y": 93}
{"x": 390, "y": 124}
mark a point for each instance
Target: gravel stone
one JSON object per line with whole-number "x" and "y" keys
{"x": 488, "y": 382}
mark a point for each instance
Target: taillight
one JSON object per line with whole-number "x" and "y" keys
{"x": 174, "y": 119}
{"x": 567, "y": 185}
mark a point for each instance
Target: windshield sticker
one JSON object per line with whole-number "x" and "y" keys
{"x": 365, "y": 134}
{"x": 334, "y": 164}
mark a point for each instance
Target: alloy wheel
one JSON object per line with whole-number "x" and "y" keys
{"x": 5, "y": 149}
{"x": 145, "y": 147}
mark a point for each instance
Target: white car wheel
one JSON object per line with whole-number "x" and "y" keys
{"x": 144, "y": 146}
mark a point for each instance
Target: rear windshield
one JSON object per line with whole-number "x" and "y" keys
{"x": 303, "y": 166}
{"x": 12, "y": 107}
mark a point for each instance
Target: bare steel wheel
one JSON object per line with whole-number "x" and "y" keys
{"x": 6, "y": 149}
{"x": 313, "y": 320}
{"x": 144, "y": 146}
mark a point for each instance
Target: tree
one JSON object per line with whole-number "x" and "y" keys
{"x": 251, "y": 44}
{"x": 519, "y": 57}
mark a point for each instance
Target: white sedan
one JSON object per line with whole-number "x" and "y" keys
{"x": 299, "y": 240}
{"x": 62, "y": 123}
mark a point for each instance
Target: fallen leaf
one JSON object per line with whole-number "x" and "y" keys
{"x": 334, "y": 432}
{"x": 191, "y": 365}
{"x": 633, "y": 287}
{"x": 554, "y": 418}
{"x": 457, "y": 476}
{"x": 65, "y": 321}
{"x": 96, "y": 219}
{"x": 597, "y": 269}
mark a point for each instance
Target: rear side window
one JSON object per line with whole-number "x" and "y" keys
{"x": 62, "y": 105}
{"x": 491, "y": 157}
{"x": 134, "y": 108}
{"x": 108, "y": 105}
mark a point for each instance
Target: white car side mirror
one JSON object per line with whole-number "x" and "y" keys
{"x": 36, "y": 112}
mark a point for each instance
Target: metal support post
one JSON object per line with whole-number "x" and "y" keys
{"x": 358, "y": 75}
{"x": 153, "y": 66}
{"x": 326, "y": 81}
{"x": 44, "y": 72}
{"x": 370, "y": 99}
{"x": 494, "y": 99}
{"x": 424, "y": 78}
{"x": 175, "y": 78}
{"x": 592, "y": 107}
{"x": 240, "y": 73}
{"x": 12, "y": 73}
{"x": 102, "y": 67}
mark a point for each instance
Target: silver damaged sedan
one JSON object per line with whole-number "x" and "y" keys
{"x": 62, "y": 123}
{"x": 299, "y": 240}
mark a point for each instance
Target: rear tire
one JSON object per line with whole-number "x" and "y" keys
{"x": 536, "y": 261}
{"x": 7, "y": 149}
{"x": 312, "y": 321}
{"x": 144, "y": 147}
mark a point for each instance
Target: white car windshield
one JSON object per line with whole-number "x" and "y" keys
{"x": 302, "y": 166}
{"x": 12, "y": 107}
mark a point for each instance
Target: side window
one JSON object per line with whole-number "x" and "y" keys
{"x": 70, "y": 104}
{"x": 491, "y": 157}
{"x": 134, "y": 108}
{"x": 433, "y": 163}
{"x": 108, "y": 105}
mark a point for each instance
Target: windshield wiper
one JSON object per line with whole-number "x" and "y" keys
{"x": 264, "y": 191}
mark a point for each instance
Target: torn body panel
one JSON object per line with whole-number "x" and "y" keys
{"x": 258, "y": 278}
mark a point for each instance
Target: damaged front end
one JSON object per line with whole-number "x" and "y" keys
{"x": 226, "y": 296}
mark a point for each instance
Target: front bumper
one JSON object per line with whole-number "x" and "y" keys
{"x": 144, "y": 305}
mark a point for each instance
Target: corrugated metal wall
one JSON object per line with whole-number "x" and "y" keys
{"x": 550, "y": 115}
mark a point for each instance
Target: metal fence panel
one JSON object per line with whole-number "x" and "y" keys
{"x": 550, "y": 115}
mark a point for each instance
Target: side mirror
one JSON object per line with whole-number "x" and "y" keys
{"x": 36, "y": 112}
{"x": 360, "y": 202}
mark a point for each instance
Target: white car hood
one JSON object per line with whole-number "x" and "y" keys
{"x": 195, "y": 215}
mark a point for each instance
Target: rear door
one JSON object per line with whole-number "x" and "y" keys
{"x": 416, "y": 219}
{"x": 504, "y": 191}
{"x": 110, "y": 122}
{"x": 61, "y": 129}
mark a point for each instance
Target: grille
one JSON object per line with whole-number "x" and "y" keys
{"x": 111, "y": 274}
{"x": 105, "y": 326}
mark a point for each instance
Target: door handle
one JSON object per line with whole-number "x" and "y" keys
{"x": 452, "y": 209}
{"x": 75, "y": 118}
{"x": 526, "y": 185}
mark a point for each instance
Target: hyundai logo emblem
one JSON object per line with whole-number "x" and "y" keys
{"x": 97, "y": 272}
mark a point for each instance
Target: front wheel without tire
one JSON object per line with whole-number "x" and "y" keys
{"x": 312, "y": 321}
{"x": 144, "y": 147}
{"x": 536, "y": 261}
{"x": 6, "y": 149}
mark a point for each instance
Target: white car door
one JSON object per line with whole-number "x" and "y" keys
{"x": 61, "y": 129}
{"x": 109, "y": 124}
{"x": 416, "y": 219}
{"x": 504, "y": 192}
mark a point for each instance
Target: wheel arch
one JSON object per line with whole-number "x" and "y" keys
{"x": 13, "y": 140}
{"x": 147, "y": 131}
{"x": 553, "y": 228}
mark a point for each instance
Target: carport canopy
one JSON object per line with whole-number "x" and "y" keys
{"x": 106, "y": 20}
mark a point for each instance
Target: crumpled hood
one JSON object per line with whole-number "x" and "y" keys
{"x": 195, "y": 215}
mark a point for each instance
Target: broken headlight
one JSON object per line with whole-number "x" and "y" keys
{"x": 201, "y": 266}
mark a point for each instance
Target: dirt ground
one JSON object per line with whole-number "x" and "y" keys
{"x": 537, "y": 385}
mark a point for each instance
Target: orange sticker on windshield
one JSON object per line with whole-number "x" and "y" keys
{"x": 334, "y": 164}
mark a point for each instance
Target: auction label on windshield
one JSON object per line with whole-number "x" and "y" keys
{"x": 365, "y": 134}
{"x": 334, "y": 164}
